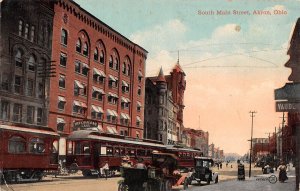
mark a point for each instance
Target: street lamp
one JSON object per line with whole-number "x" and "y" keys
{"x": 252, "y": 116}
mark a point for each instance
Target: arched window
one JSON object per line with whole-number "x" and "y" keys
{"x": 96, "y": 54}
{"x": 78, "y": 46}
{"x": 20, "y": 27}
{"x": 124, "y": 68}
{"x": 111, "y": 64}
{"x": 64, "y": 37}
{"x": 31, "y": 63}
{"x": 102, "y": 57}
{"x": 36, "y": 145}
{"x": 85, "y": 49}
{"x": 116, "y": 63}
{"x": 128, "y": 70}
{"x": 16, "y": 144}
{"x": 18, "y": 58}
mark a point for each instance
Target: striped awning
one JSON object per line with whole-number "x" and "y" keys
{"x": 77, "y": 103}
{"x": 138, "y": 104}
{"x": 99, "y": 72}
{"x": 83, "y": 105}
{"x": 60, "y": 120}
{"x": 138, "y": 118}
{"x": 125, "y": 83}
{"x": 115, "y": 113}
{"x": 140, "y": 74}
{"x": 79, "y": 84}
{"x": 98, "y": 90}
{"x": 95, "y": 108}
{"x": 112, "y": 78}
{"x": 109, "y": 112}
{"x": 113, "y": 95}
{"x": 85, "y": 65}
{"x": 112, "y": 130}
{"x": 60, "y": 98}
{"x": 123, "y": 116}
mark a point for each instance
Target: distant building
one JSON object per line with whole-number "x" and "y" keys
{"x": 199, "y": 139}
{"x": 164, "y": 106}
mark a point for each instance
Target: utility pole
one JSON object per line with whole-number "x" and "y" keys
{"x": 252, "y": 116}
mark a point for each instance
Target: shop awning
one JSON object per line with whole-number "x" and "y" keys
{"x": 98, "y": 90}
{"x": 125, "y": 83}
{"x": 99, "y": 72}
{"x": 85, "y": 65}
{"x": 95, "y": 108}
{"x": 112, "y": 78}
{"x": 60, "y": 120}
{"x": 60, "y": 98}
{"x": 77, "y": 103}
{"x": 140, "y": 74}
{"x": 79, "y": 84}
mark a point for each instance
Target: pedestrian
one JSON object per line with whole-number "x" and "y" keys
{"x": 140, "y": 164}
{"x": 105, "y": 169}
{"x": 220, "y": 165}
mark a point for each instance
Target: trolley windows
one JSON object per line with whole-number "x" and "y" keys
{"x": 82, "y": 148}
{"x": 109, "y": 151}
{"x": 36, "y": 146}
{"x": 16, "y": 144}
{"x": 141, "y": 152}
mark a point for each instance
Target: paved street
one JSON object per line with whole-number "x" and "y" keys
{"x": 227, "y": 182}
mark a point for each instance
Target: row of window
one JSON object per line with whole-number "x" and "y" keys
{"x": 33, "y": 115}
{"x": 99, "y": 54}
{"x": 82, "y": 68}
{"x": 28, "y": 31}
{"x": 81, "y": 88}
{"x": 18, "y": 145}
{"x": 21, "y": 84}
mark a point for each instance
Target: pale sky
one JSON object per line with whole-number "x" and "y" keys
{"x": 232, "y": 63}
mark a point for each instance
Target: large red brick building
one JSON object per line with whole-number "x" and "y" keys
{"x": 99, "y": 75}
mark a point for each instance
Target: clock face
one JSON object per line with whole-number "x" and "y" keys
{"x": 65, "y": 18}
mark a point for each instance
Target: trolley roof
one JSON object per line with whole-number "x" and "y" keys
{"x": 94, "y": 135}
{"x": 28, "y": 130}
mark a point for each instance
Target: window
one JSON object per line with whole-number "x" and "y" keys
{"x": 63, "y": 59}
{"x": 36, "y": 146}
{"x": 139, "y": 91}
{"x": 60, "y": 124}
{"x": 138, "y": 107}
{"x": 61, "y": 103}
{"x": 117, "y": 64}
{"x": 124, "y": 68}
{"x": 20, "y": 27}
{"x": 31, "y": 64}
{"x": 85, "y": 69}
{"x": 17, "y": 112}
{"x": 111, "y": 64}
{"x": 102, "y": 57}
{"x": 41, "y": 90}
{"x": 4, "y": 110}
{"x": 77, "y": 66}
{"x": 125, "y": 87}
{"x": 85, "y": 49}
{"x": 26, "y": 30}
{"x": 30, "y": 114}
{"x": 78, "y": 46}
{"x": 18, "y": 84}
{"x": 84, "y": 90}
{"x": 5, "y": 81}
{"x": 62, "y": 81}
{"x": 140, "y": 76}
{"x": 128, "y": 70}
{"x": 32, "y": 33}
{"x": 96, "y": 54}
{"x": 39, "y": 118}
{"x": 18, "y": 59}
{"x": 97, "y": 95}
{"x": 16, "y": 144}
{"x": 30, "y": 87}
{"x": 76, "y": 90}
{"x": 64, "y": 37}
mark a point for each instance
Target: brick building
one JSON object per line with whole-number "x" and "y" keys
{"x": 26, "y": 36}
{"x": 199, "y": 139}
{"x": 99, "y": 75}
{"x": 164, "y": 106}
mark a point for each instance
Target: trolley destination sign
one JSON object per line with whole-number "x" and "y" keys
{"x": 85, "y": 124}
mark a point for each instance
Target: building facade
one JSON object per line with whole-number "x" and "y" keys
{"x": 26, "y": 37}
{"x": 199, "y": 139}
{"x": 164, "y": 106}
{"x": 99, "y": 75}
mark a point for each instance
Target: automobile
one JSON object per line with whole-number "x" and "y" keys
{"x": 203, "y": 171}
